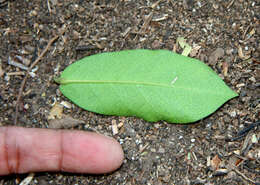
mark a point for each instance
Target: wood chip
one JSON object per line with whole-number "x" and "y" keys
{"x": 1, "y": 70}
{"x": 155, "y": 4}
{"x": 27, "y": 180}
{"x": 120, "y": 124}
{"x": 225, "y": 68}
{"x": 114, "y": 127}
{"x": 240, "y": 52}
{"x": 161, "y": 18}
{"x": 15, "y": 73}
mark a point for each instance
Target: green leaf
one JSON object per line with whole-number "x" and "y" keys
{"x": 150, "y": 84}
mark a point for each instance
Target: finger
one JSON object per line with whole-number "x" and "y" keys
{"x": 25, "y": 150}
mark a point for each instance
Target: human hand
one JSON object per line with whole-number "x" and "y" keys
{"x": 24, "y": 150}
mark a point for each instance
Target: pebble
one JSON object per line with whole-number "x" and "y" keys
{"x": 161, "y": 150}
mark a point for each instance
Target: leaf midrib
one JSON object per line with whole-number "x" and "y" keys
{"x": 65, "y": 81}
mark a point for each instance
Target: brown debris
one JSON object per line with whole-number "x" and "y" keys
{"x": 1, "y": 70}
{"x": 225, "y": 68}
{"x": 56, "y": 111}
{"x": 217, "y": 54}
{"x": 146, "y": 23}
{"x": 215, "y": 162}
{"x": 241, "y": 54}
{"x": 194, "y": 51}
{"x": 64, "y": 122}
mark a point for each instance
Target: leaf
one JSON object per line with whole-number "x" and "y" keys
{"x": 150, "y": 84}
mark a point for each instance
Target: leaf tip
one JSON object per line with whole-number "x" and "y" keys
{"x": 235, "y": 94}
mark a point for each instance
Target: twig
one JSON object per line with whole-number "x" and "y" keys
{"x": 243, "y": 175}
{"x": 27, "y": 74}
{"x": 28, "y": 179}
{"x": 145, "y": 25}
{"x": 230, "y": 4}
{"x": 245, "y": 131}
{"x": 147, "y": 21}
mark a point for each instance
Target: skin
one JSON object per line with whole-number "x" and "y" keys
{"x": 24, "y": 150}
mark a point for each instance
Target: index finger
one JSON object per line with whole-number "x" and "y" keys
{"x": 25, "y": 150}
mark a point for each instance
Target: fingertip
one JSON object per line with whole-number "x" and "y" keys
{"x": 117, "y": 155}
{"x": 87, "y": 152}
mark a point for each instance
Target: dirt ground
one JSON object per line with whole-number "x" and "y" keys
{"x": 225, "y": 34}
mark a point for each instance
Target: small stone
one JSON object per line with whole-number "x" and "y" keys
{"x": 26, "y": 106}
{"x": 252, "y": 79}
{"x": 233, "y": 114}
{"x": 66, "y": 104}
{"x": 33, "y": 13}
{"x": 161, "y": 150}
{"x": 237, "y": 152}
{"x": 254, "y": 139}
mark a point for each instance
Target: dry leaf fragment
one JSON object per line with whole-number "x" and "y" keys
{"x": 64, "y": 122}
{"x": 215, "y": 162}
{"x": 56, "y": 111}
{"x": 194, "y": 50}
{"x": 218, "y": 53}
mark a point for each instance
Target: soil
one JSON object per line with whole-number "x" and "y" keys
{"x": 224, "y": 34}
